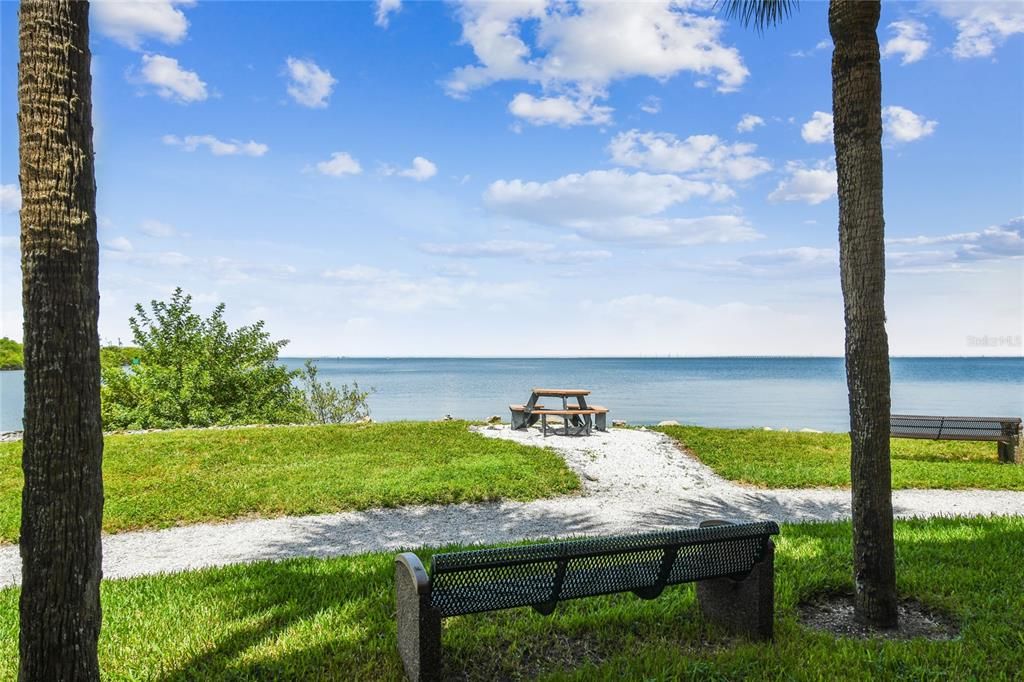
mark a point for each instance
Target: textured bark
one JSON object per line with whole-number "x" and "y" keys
{"x": 857, "y": 111}
{"x": 62, "y": 501}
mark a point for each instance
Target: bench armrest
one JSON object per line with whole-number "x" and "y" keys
{"x": 414, "y": 567}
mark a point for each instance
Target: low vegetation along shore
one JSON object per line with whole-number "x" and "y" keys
{"x": 180, "y": 477}
{"x": 777, "y": 459}
{"x": 334, "y": 619}
{"x": 170, "y": 478}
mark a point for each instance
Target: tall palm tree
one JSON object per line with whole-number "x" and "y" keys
{"x": 857, "y": 112}
{"x": 62, "y": 501}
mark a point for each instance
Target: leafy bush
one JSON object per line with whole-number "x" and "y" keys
{"x": 329, "y": 404}
{"x": 12, "y": 354}
{"x": 193, "y": 371}
{"x": 118, "y": 356}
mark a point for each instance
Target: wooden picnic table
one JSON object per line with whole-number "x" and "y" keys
{"x": 581, "y": 416}
{"x": 564, "y": 393}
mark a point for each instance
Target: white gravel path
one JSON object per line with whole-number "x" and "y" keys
{"x": 633, "y": 480}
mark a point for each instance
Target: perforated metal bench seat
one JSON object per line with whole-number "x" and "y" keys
{"x": 1004, "y": 430}
{"x": 732, "y": 565}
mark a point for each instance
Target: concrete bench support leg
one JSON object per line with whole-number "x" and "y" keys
{"x": 601, "y": 421}
{"x": 518, "y": 419}
{"x": 419, "y": 625}
{"x": 1009, "y": 452}
{"x": 742, "y": 607}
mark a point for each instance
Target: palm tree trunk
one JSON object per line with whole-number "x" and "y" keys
{"x": 62, "y": 501}
{"x": 857, "y": 111}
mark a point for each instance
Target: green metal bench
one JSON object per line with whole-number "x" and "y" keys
{"x": 732, "y": 564}
{"x": 1003, "y": 430}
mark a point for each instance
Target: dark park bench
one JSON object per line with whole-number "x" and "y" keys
{"x": 1003, "y": 430}
{"x": 732, "y": 564}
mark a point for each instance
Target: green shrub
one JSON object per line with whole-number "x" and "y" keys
{"x": 192, "y": 371}
{"x": 330, "y": 404}
{"x": 12, "y": 354}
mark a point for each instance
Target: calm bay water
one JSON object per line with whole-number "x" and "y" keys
{"x": 778, "y": 392}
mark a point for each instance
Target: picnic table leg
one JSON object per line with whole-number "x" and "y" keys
{"x": 544, "y": 425}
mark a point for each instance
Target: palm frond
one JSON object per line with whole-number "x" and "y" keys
{"x": 760, "y": 13}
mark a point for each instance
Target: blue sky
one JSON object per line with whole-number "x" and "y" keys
{"x": 540, "y": 179}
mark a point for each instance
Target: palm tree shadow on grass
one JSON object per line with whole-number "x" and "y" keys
{"x": 345, "y": 608}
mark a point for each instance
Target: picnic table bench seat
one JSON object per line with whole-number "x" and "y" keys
{"x": 1004, "y": 430}
{"x": 732, "y": 564}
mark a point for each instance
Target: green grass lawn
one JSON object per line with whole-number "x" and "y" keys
{"x": 173, "y": 478}
{"x": 778, "y": 459}
{"x": 334, "y": 619}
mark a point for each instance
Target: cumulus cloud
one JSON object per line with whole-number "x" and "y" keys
{"x": 899, "y": 123}
{"x": 910, "y": 40}
{"x": 749, "y": 122}
{"x": 340, "y": 163}
{"x": 10, "y": 198}
{"x": 171, "y": 80}
{"x": 385, "y": 8}
{"x": 130, "y": 22}
{"x": 561, "y": 111}
{"x": 703, "y": 156}
{"x": 217, "y": 147}
{"x": 591, "y": 46}
{"x": 422, "y": 169}
{"x": 982, "y": 26}
{"x": 818, "y": 128}
{"x": 309, "y": 85}
{"x": 616, "y": 205}
{"x": 903, "y": 125}
{"x": 808, "y": 185}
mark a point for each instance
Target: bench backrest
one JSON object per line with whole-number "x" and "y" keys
{"x": 542, "y": 575}
{"x": 954, "y": 428}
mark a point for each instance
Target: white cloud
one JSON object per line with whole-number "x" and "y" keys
{"x": 593, "y": 195}
{"x": 562, "y": 111}
{"x": 900, "y": 123}
{"x": 217, "y": 147}
{"x": 615, "y": 205}
{"x": 992, "y": 243}
{"x": 379, "y": 289}
{"x": 340, "y": 163}
{"x": 818, "y": 47}
{"x": 160, "y": 230}
{"x": 699, "y": 155}
{"x": 385, "y": 8}
{"x": 651, "y": 105}
{"x": 982, "y": 26}
{"x": 809, "y": 185}
{"x": 818, "y": 128}
{"x": 421, "y": 169}
{"x": 592, "y": 45}
{"x": 309, "y": 85}
{"x": 800, "y": 261}
{"x": 906, "y": 126}
{"x": 910, "y": 41}
{"x": 171, "y": 81}
{"x": 537, "y": 252}
{"x": 10, "y": 198}
{"x": 120, "y": 244}
{"x": 129, "y": 22}
{"x": 749, "y": 122}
